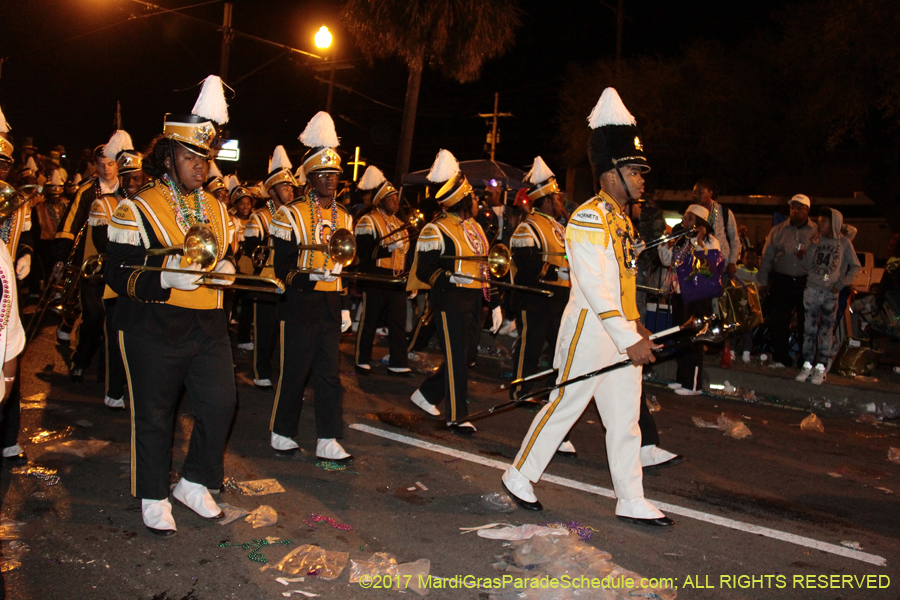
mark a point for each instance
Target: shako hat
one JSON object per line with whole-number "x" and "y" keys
{"x": 197, "y": 130}
{"x": 445, "y": 171}
{"x": 279, "y": 169}
{"x": 543, "y": 182}
{"x": 321, "y": 139}
{"x": 120, "y": 148}
{"x": 374, "y": 180}
{"x": 615, "y": 137}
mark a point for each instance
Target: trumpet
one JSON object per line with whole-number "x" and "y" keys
{"x": 641, "y": 247}
{"x": 92, "y": 269}
{"x": 415, "y": 222}
{"x": 12, "y": 199}
{"x": 200, "y": 248}
{"x": 498, "y": 261}
{"x": 260, "y": 255}
{"x": 342, "y": 250}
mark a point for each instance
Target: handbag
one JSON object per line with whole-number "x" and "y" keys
{"x": 740, "y": 305}
{"x": 700, "y": 275}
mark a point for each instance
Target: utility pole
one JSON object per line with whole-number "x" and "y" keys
{"x": 226, "y": 42}
{"x": 118, "y": 115}
{"x": 494, "y": 115}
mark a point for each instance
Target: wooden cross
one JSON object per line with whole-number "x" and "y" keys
{"x": 357, "y": 163}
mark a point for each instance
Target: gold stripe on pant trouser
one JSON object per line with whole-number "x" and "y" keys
{"x": 280, "y": 375}
{"x": 130, "y": 401}
{"x": 449, "y": 366}
{"x": 586, "y": 347}
{"x": 522, "y": 343}
{"x": 362, "y": 323}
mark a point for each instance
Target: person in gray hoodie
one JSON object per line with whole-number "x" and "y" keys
{"x": 831, "y": 265}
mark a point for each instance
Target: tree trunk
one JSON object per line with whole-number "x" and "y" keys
{"x": 409, "y": 118}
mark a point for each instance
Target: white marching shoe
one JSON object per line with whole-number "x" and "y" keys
{"x": 654, "y": 456}
{"x": 330, "y": 449}
{"x": 638, "y": 510}
{"x": 567, "y": 447}
{"x": 419, "y": 400}
{"x": 519, "y": 489}
{"x": 245, "y": 346}
{"x": 283, "y": 444}
{"x": 197, "y": 498}
{"x": 262, "y": 383}
{"x": 157, "y": 515}
{"x": 114, "y": 403}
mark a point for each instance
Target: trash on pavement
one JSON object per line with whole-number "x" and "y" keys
{"x": 851, "y": 545}
{"x": 48, "y": 476}
{"x": 263, "y": 516}
{"x": 702, "y": 423}
{"x": 500, "y": 503}
{"x": 80, "y": 448}
{"x": 9, "y": 529}
{"x": 259, "y": 487}
{"x": 410, "y": 575}
{"x": 330, "y": 521}
{"x": 45, "y": 435}
{"x": 312, "y": 561}
{"x": 580, "y": 529}
{"x": 522, "y": 532}
{"x": 652, "y": 403}
{"x": 812, "y": 424}
{"x": 255, "y": 555}
{"x": 379, "y": 565}
{"x": 466, "y": 530}
{"x": 733, "y": 428}
{"x": 557, "y": 556}
{"x": 289, "y": 580}
{"x": 330, "y": 465}
{"x": 301, "y": 592}
{"x": 12, "y": 551}
{"x": 894, "y": 455}
{"x": 422, "y": 363}
{"x": 232, "y": 513}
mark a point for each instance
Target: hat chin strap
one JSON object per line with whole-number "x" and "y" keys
{"x": 628, "y": 197}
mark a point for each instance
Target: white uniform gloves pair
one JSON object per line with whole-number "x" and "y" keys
{"x": 188, "y": 281}
{"x": 496, "y": 313}
{"x": 328, "y": 275}
{"x": 23, "y": 267}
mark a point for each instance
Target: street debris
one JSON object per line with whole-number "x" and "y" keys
{"x": 894, "y": 455}
{"x": 412, "y": 574}
{"x": 885, "y": 490}
{"x": 9, "y": 529}
{"x": 422, "y": 363}
{"x": 80, "y": 448}
{"x": 255, "y": 555}
{"x": 289, "y": 580}
{"x": 557, "y": 556}
{"x": 421, "y": 486}
{"x": 835, "y": 475}
{"x": 704, "y": 424}
{"x": 522, "y": 532}
{"x": 851, "y": 545}
{"x": 500, "y": 503}
{"x": 812, "y": 424}
{"x": 232, "y": 513}
{"x": 48, "y": 476}
{"x": 580, "y": 529}
{"x": 45, "y": 435}
{"x": 731, "y": 427}
{"x": 312, "y": 561}
{"x": 330, "y": 521}
{"x": 466, "y": 530}
{"x": 330, "y": 465}
{"x": 259, "y": 487}
{"x": 263, "y": 516}
{"x": 12, "y": 551}
{"x": 307, "y": 594}
{"x": 652, "y": 403}
{"x": 379, "y": 565}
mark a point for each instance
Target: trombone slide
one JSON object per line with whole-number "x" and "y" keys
{"x": 206, "y": 278}
{"x": 503, "y": 284}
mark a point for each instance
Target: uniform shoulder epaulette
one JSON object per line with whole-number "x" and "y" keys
{"x": 149, "y": 185}
{"x": 440, "y": 217}
{"x": 588, "y": 224}
{"x": 86, "y": 183}
{"x": 430, "y": 239}
{"x": 125, "y": 227}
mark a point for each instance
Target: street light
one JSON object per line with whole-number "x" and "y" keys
{"x": 323, "y": 38}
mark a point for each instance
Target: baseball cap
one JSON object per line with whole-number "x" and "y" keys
{"x": 801, "y": 198}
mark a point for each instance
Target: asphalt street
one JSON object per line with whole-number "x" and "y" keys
{"x": 781, "y": 503}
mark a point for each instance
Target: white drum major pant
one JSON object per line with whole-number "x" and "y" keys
{"x": 584, "y": 346}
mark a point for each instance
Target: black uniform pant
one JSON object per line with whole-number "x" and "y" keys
{"x": 244, "y": 306}
{"x": 157, "y": 371}
{"x": 537, "y": 323}
{"x": 10, "y": 416}
{"x": 649, "y": 433}
{"x": 458, "y": 333}
{"x": 424, "y": 329}
{"x": 310, "y": 340}
{"x": 265, "y": 330}
{"x": 689, "y": 362}
{"x": 785, "y": 298}
{"x": 391, "y": 304}
{"x": 90, "y": 334}
{"x": 115, "y": 368}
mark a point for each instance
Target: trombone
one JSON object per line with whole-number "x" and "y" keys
{"x": 12, "y": 199}
{"x": 671, "y": 237}
{"x": 200, "y": 247}
{"x": 342, "y": 249}
{"x": 498, "y": 261}
{"x": 415, "y": 222}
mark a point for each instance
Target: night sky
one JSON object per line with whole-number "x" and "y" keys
{"x": 61, "y": 78}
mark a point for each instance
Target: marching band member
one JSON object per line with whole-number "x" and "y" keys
{"x": 241, "y": 200}
{"x": 382, "y": 253}
{"x": 280, "y": 185}
{"x": 455, "y": 299}
{"x": 215, "y": 185}
{"x": 600, "y": 324}
{"x": 311, "y": 315}
{"x": 172, "y": 332}
{"x": 131, "y": 179}
{"x": 6, "y": 149}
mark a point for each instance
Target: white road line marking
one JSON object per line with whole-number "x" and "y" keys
{"x": 669, "y": 508}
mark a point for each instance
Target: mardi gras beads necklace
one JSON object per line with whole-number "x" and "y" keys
{"x": 187, "y": 212}
{"x": 626, "y": 236}
{"x": 7, "y": 226}
{"x": 480, "y": 244}
{"x": 315, "y": 217}
{"x": 398, "y": 256}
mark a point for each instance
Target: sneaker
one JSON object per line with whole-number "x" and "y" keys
{"x": 745, "y": 357}
{"x": 464, "y": 428}
{"x": 818, "y": 376}
{"x": 805, "y": 372}
{"x": 248, "y": 346}
{"x": 262, "y": 383}
{"x": 419, "y": 400}
{"x": 115, "y": 404}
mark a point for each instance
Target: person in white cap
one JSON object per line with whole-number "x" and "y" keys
{"x": 781, "y": 274}
{"x": 689, "y": 372}
{"x": 600, "y": 325}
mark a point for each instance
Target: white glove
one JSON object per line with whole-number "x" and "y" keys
{"x": 23, "y": 267}
{"x": 223, "y": 266}
{"x": 497, "y": 318}
{"x": 394, "y": 246}
{"x": 562, "y": 273}
{"x": 412, "y": 295}
{"x": 460, "y": 279}
{"x": 179, "y": 281}
{"x": 345, "y": 320}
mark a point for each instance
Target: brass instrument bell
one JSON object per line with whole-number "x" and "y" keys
{"x": 498, "y": 259}
{"x": 199, "y": 247}
{"x": 341, "y": 247}
{"x": 12, "y": 199}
